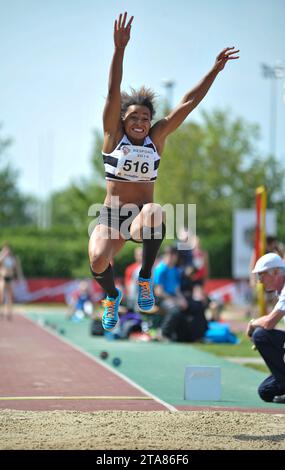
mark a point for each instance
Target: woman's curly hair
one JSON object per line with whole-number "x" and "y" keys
{"x": 142, "y": 97}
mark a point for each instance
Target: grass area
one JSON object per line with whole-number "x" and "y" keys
{"x": 242, "y": 349}
{"x": 37, "y": 306}
{"x": 260, "y": 367}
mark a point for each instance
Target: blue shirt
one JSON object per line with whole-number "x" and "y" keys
{"x": 169, "y": 278}
{"x": 80, "y": 301}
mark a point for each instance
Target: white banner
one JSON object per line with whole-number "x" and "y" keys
{"x": 244, "y": 224}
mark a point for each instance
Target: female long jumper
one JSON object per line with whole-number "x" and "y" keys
{"x": 132, "y": 150}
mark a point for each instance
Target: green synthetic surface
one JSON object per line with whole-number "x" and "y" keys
{"x": 159, "y": 367}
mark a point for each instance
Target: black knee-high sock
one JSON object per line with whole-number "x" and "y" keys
{"x": 106, "y": 281}
{"x": 151, "y": 246}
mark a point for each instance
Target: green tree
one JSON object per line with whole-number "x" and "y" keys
{"x": 15, "y": 208}
{"x": 71, "y": 206}
{"x": 97, "y": 160}
{"x": 216, "y": 165}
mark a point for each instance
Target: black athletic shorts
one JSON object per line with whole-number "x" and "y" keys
{"x": 120, "y": 219}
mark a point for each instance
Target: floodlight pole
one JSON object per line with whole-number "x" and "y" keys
{"x": 274, "y": 73}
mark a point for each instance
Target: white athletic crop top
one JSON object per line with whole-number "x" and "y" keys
{"x": 8, "y": 262}
{"x": 128, "y": 162}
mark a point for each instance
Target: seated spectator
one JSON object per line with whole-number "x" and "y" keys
{"x": 167, "y": 279}
{"x": 183, "y": 319}
{"x": 201, "y": 270}
{"x": 184, "y": 245}
{"x": 81, "y": 303}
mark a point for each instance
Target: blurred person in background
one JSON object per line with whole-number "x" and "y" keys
{"x": 131, "y": 277}
{"x": 81, "y": 304}
{"x": 183, "y": 318}
{"x": 10, "y": 270}
{"x": 201, "y": 270}
{"x": 184, "y": 246}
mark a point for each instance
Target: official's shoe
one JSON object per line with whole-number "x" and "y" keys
{"x": 110, "y": 318}
{"x": 146, "y": 296}
{"x": 279, "y": 399}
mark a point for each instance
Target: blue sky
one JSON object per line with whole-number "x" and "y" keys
{"x": 55, "y": 58}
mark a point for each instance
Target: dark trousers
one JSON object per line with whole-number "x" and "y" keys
{"x": 186, "y": 326}
{"x": 271, "y": 346}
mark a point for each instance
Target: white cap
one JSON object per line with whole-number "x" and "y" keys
{"x": 268, "y": 261}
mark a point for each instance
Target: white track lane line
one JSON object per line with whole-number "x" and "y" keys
{"x": 103, "y": 364}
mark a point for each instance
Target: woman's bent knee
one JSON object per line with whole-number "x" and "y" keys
{"x": 152, "y": 214}
{"x": 152, "y": 208}
{"x": 99, "y": 262}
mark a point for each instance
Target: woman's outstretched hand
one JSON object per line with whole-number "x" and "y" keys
{"x": 227, "y": 54}
{"x": 122, "y": 30}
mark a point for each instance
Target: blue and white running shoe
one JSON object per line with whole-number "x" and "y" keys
{"x": 146, "y": 296}
{"x": 110, "y": 318}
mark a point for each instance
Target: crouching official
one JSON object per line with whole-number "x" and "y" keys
{"x": 270, "y": 342}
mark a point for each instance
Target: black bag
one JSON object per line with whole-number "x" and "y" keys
{"x": 128, "y": 327}
{"x": 186, "y": 326}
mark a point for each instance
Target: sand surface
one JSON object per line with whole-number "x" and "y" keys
{"x": 118, "y": 430}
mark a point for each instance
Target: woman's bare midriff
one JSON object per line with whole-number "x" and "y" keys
{"x": 128, "y": 192}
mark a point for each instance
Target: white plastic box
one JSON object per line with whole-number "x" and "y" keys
{"x": 202, "y": 383}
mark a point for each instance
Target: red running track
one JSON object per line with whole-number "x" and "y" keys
{"x": 36, "y": 363}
